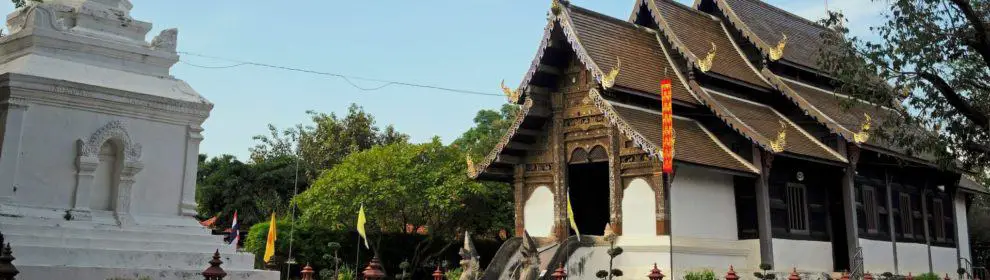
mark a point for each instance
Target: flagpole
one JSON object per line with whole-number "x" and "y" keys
{"x": 292, "y": 214}
{"x": 357, "y": 256}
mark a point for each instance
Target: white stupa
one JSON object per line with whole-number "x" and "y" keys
{"x": 99, "y": 148}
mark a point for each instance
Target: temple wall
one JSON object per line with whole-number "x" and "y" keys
{"x": 538, "y": 212}
{"x": 639, "y": 217}
{"x": 962, "y": 226}
{"x": 47, "y": 166}
{"x": 703, "y": 204}
{"x": 944, "y": 260}
{"x": 689, "y": 254}
{"x": 815, "y": 256}
{"x": 878, "y": 256}
{"x": 913, "y": 258}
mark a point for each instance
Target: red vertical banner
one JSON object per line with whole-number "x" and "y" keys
{"x": 667, "y": 126}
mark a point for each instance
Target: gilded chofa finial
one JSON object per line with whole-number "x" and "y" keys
{"x": 778, "y": 51}
{"x": 471, "y": 169}
{"x": 609, "y": 80}
{"x": 555, "y": 6}
{"x": 864, "y": 129}
{"x": 511, "y": 94}
{"x": 706, "y": 64}
{"x": 780, "y": 143}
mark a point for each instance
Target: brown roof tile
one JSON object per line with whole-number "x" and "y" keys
{"x": 604, "y": 39}
{"x": 694, "y": 143}
{"x": 762, "y": 124}
{"x": 840, "y": 114}
{"x": 692, "y": 33}
{"x": 765, "y": 25}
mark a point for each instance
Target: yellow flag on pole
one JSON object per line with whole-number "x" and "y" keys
{"x": 272, "y": 235}
{"x": 360, "y": 226}
{"x": 570, "y": 216}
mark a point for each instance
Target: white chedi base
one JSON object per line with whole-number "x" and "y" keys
{"x": 48, "y": 248}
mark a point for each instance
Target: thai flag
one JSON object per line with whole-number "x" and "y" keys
{"x": 234, "y": 231}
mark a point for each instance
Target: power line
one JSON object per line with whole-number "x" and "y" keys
{"x": 347, "y": 78}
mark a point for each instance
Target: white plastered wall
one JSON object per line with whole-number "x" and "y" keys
{"x": 538, "y": 212}
{"x": 878, "y": 256}
{"x": 703, "y": 205}
{"x": 913, "y": 258}
{"x": 47, "y": 164}
{"x": 640, "y": 214}
{"x": 813, "y": 256}
{"x": 962, "y": 226}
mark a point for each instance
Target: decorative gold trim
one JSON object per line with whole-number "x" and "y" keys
{"x": 864, "y": 130}
{"x": 778, "y": 52}
{"x": 493, "y": 154}
{"x": 511, "y": 94}
{"x": 638, "y": 139}
{"x": 555, "y": 6}
{"x": 706, "y": 64}
{"x": 609, "y": 80}
{"x": 780, "y": 143}
{"x": 471, "y": 169}
{"x": 806, "y": 106}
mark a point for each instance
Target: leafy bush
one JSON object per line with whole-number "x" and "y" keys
{"x": 927, "y": 276}
{"x": 705, "y": 274}
{"x": 311, "y": 245}
{"x": 454, "y": 274}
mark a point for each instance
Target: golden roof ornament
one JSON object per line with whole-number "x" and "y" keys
{"x": 609, "y": 233}
{"x": 555, "y": 6}
{"x": 609, "y": 80}
{"x": 864, "y": 130}
{"x": 780, "y": 143}
{"x": 778, "y": 52}
{"x": 471, "y": 169}
{"x": 706, "y": 64}
{"x": 511, "y": 94}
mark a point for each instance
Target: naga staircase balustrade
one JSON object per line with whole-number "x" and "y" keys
{"x": 856, "y": 271}
{"x": 974, "y": 272}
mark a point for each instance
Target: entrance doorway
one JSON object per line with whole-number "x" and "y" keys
{"x": 837, "y": 222}
{"x": 589, "y": 191}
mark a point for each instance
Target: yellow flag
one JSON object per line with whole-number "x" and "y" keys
{"x": 570, "y": 216}
{"x": 272, "y": 235}
{"x": 360, "y": 226}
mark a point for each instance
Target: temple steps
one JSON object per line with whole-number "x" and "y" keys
{"x": 118, "y": 244}
{"x": 28, "y": 255}
{"x": 110, "y": 233}
{"x": 102, "y": 273}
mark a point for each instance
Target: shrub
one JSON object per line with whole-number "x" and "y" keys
{"x": 927, "y": 276}
{"x": 705, "y": 274}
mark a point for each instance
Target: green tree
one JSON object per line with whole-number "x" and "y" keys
{"x": 489, "y": 126}
{"x": 422, "y": 185}
{"x": 933, "y": 56}
{"x": 327, "y": 140}
{"x": 254, "y": 190}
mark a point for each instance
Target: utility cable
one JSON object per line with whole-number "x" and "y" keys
{"x": 347, "y": 78}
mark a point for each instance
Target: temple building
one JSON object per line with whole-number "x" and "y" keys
{"x": 770, "y": 165}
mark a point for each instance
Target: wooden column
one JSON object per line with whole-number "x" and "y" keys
{"x": 849, "y": 204}
{"x": 519, "y": 188}
{"x": 890, "y": 218}
{"x": 764, "y": 159}
{"x": 615, "y": 180}
{"x": 10, "y": 143}
{"x": 560, "y": 168}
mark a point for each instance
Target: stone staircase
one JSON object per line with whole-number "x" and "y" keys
{"x": 93, "y": 250}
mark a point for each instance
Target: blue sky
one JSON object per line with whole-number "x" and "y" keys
{"x": 469, "y": 45}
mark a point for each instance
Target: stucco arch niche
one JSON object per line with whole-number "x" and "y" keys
{"x": 538, "y": 212}
{"x": 88, "y": 160}
{"x": 639, "y": 215}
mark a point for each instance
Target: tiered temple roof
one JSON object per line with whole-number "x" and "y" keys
{"x": 694, "y": 33}
{"x": 678, "y": 42}
{"x": 765, "y": 26}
